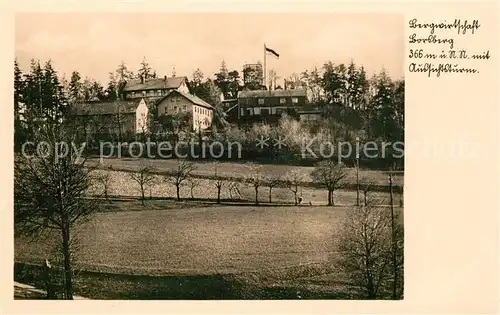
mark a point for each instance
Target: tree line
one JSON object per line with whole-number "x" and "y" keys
{"x": 349, "y": 101}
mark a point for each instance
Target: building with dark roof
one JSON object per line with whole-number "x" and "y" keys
{"x": 265, "y": 103}
{"x": 177, "y": 101}
{"x": 154, "y": 89}
{"x": 118, "y": 118}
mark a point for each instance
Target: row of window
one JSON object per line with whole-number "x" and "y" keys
{"x": 262, "y": 111}
{"x": 177, "y": 109}
{"x": 197, "y": 109}
{"x": 295, "y": 100}
{"x": 147, "y": 93}
{"x": 203, "y": 111}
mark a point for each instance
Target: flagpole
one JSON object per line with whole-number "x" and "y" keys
{"x": 265, "y": 71}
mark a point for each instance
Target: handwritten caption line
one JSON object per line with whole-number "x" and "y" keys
{"x": 442, "y": 60}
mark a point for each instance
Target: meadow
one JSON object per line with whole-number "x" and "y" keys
{"x": 196, "y": 248}
{"x": 270, "y": 246}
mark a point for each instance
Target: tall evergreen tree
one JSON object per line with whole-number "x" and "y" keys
{"x": 145, "y": 71}
{"x": 19, "y": 133}
{"x": 33, "y": 90}
{"x": 382, "y": 106}
{"x": 18, "y": 90}
{"x": 55, "y": 105}
{"x": 222, "y": 79}
{"x": 75, "y": 88}
{"x": 123, "y": 73}
{"x": 112, "y": 88}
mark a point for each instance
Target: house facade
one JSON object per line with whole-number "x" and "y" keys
{"x": 177, "y": 101}
{"x": 154, "y": 89}
{"x": 120, "y": 118}
{"x": 269, "y": 102}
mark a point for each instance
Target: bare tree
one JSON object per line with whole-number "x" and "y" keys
{"x": 271, "y": 183}
{"x": 193, "y": 183}
{"x": 256, "y": 179}
{"x": 219, "y": 182}
{"x": 293, "y": 179}
{"x": 51, "y": 193}
{"x": 329, "y": 174}
{"x": 367, "y": 250}
{"x": 105, "y": 180}
{"x": 365, "y": 185}
{"x": 180, "y": 174}
{"x": 144, "y": 177}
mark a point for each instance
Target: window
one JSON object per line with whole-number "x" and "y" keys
{"x": 295, "y": 100}
{"x": 282, "y": 100}
{"x": 172, "y": 99}
{"x": 159, "y": 92}
{"x": 175, "y": 109}
{"x": 185, "y": 107}
{"x": 261, "y": 101}
{"x": 143, "y": 93}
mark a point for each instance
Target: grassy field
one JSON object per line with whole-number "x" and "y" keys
{"x": 184, "y": 251}
{"x": 200, "y": 240}
{"x": 232, "y": 169}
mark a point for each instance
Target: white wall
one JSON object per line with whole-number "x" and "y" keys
{"x": 183, "y": 88}
{"x": 202, "y": 117}
{"x": 141, "y": 117}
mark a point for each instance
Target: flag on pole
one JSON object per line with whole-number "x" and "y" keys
{"x": 272, "y": 52}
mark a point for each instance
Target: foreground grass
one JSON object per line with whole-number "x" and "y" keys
{"x": 113, "y": 286}
{"x": 212, "y": 239}
{"x": 205, "y": 252}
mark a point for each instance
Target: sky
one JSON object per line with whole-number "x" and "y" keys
{"x": 95, "y": 43}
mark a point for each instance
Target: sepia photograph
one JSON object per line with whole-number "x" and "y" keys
{"x": 209, "y": 156}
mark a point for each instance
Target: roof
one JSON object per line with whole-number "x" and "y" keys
{"x": 192, "y": 98}
{"x": 271, "y": 93}
{"x": 106, "y": 108}
{"x": 154, "y": 84}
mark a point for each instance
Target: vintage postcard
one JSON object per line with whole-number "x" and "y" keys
{"x": 316, "y": 156}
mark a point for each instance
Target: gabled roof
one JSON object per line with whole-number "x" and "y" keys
{"x": 272, "y": 93}
{"x": 106, "y": 108}
{"x": 192, "y": 98}
{"x": 154, "y": 84}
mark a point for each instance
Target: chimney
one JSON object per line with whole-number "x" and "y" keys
{"x": 142, "y": 79}
{"x": 165, "y": 78}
